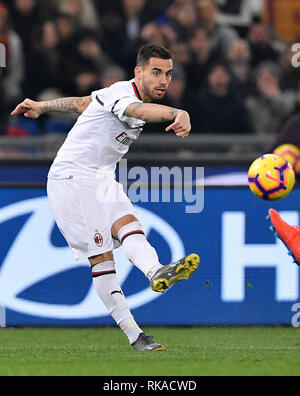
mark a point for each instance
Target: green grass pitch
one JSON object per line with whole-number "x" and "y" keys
{"x": 190, "y": 351}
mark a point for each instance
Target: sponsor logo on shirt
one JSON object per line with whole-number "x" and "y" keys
{"x": 123, "y": 138}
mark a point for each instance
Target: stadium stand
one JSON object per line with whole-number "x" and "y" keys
{"x": 231, "y": 56}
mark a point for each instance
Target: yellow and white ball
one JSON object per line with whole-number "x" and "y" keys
{"x": 271, "y": 177}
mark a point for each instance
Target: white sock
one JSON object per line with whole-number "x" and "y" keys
{"x": 109, "y": 290}
{"x": 131, "y": 329}
{"x": 137, "y": 249}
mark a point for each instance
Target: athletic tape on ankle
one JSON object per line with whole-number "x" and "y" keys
{"x": 134, "y": 228}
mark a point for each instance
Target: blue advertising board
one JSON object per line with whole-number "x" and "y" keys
{"x": 38, "y": 174}
{"x": 245, "y": 276}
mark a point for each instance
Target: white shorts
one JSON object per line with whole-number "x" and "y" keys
{"x": 85, "y": 211}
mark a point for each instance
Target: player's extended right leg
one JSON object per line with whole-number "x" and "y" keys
{"x": 289, "y": 235}
{"x": 175, "y": 272}
{"x": 138, "y": 250}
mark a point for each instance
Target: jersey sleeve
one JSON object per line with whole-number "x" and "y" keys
{"x": 115, "y": 100}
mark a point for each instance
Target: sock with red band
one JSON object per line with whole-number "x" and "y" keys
{"x": 109, "y": 290}
{"x": 138, "y": 250}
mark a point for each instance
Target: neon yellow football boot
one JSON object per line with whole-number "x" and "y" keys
{"x": 175, "y": 272}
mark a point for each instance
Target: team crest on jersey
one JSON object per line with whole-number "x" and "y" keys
{"x": 98, "y": 239}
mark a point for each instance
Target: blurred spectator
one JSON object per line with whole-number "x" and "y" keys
{"x": 24, "y": 15}
{"x": 264, "y": 44}
{"x": 83, "y": 12}
{"x": 91, "y": 52}
{"x": 111, "y": 26}
{"x": 202, "y": 57}
{"x": 296, "y": 108}
{"x": 182, "y": 18}
{"x": 136, "y": 28}
{"x": 85, "y": 67}
{"x": 220, "y": 36}
{"x": 112, "y": 75}
{"x": 239, "y": 62}
{"x": 13, "y": 74}
{"x": 45, "y": 61}
{"x": 181, "y": 53}
{"x": 66, "y": 30}
{"x": 217, "y": 109}
{"x": 269, "y": 107}
{"x": 152, "y": 33}
{"x": 134, "y": 18}
{"x": 239, "y": 13}
{"x": 291, "y": 74}
{"x": 175, "y": 6}
{"x": 27, "y": 15}
{"x": 153, "y": 8}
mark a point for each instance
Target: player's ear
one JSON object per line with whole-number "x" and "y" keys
{"x": 138, "y": 72}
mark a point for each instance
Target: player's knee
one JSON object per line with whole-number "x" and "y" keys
{"x": 122, "y": 222}
{"x": 101, "y": 258}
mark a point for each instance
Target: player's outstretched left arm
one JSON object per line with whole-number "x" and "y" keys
{"x": 150, "y": 112}
{"x": 32, "y": 109}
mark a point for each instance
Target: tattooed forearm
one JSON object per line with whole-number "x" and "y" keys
{"x": 67, "y": 105}
{"x": 151, "y": 112}
{"x": 174, "y": 112}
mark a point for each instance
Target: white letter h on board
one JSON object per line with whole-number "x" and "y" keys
{"x": 237, "y": 256}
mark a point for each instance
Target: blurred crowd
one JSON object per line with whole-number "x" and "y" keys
{"x": 233, "y": 72}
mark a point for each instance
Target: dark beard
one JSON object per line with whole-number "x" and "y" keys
{"x": 153, "y": 98}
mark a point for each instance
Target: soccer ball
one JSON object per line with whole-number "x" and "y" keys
{"x": 291, "y": 153}
{"x": 271, "y": 177}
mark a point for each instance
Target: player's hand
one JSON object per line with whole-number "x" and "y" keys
{"x": 181, "y": 125}
{"x": 29, "y": 108}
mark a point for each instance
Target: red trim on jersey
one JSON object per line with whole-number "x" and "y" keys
{"x": 136, "y": 91}
{"x": 132, "y": 233}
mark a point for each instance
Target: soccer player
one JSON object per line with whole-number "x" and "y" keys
{"x": 89, "y": 206}
{"x": 289, "y": 235}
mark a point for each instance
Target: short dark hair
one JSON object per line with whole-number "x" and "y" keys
{"x": 152, "y": 51}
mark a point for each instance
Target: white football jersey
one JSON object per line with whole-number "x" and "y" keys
{"x": 101, "y": 136}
